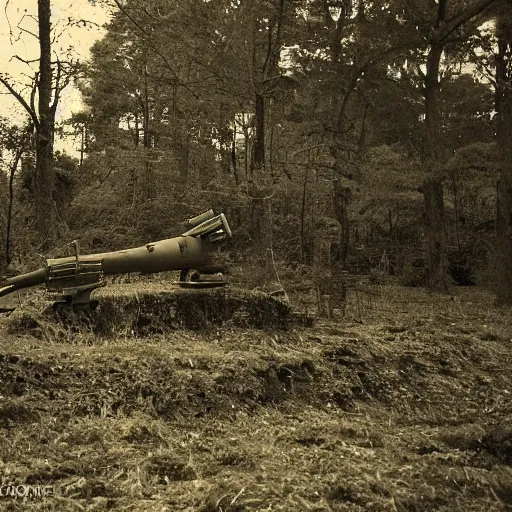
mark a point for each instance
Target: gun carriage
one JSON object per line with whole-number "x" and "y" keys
{"x": 74, "y": 278}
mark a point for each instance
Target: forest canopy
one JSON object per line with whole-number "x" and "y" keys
{"x": 337, "y": 136}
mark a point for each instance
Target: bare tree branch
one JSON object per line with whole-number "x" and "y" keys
{"x": 20, "y": 99}
{"x": 445, "y": 29}
{"x": 60, "y": 84}
{"x": 25, "y": 61}
{"x": 27, "y": 31}
{"x": 53, "y": 106}
{"x": 33, "y": 92}
{"x": 8, "y": 21}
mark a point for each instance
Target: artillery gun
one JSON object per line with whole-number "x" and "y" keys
{"x": 74, "y": 278}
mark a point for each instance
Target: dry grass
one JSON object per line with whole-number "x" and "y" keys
{"x": 144, "y": 309}
{"x": 404, "y": 406}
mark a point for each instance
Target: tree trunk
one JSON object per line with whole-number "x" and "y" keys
{"x": 303, "y": 218}
{"x": 247, "y": 149}
{"x": 261, "y": 202}
{"x": 45, "y": 174}
{"x": 504, "y": 236}
{"x": 504, "y": 200}
{"x": 12, "y": 171}
{"x": 145, "y": 107}
{"x": 234, "y": 163}
{"x": 259, "y": 136}
{"x": 433, "y": 185}
{"x": 261, "y": 224}
{"x": 323, "y": 277}
{"x": 184, "y": 160}
{"x": 342, "y": 196}
{"x": 136, "y": 139}
{"x": 82, "y": 145}
{"x": 435, "y": 233}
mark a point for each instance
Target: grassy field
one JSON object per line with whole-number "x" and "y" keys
{"x": 402, "y": 406}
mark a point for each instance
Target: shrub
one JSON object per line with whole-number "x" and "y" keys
{"x": 416, "y": 274}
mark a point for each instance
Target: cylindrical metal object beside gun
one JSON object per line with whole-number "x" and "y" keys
{"x": 75, "y": 277}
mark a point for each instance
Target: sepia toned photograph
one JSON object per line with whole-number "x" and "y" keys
{"x": 256, "y": 255}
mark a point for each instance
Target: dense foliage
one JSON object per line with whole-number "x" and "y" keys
{"x": 335, "y": 135}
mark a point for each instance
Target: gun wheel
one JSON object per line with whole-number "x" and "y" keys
{"x": 192, "y": 278}
{"x": 190, "y": 275}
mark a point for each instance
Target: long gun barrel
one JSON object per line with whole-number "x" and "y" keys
{"x": 77, "y": 276}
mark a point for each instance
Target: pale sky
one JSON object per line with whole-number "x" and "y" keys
{"x": 15, "y": 41}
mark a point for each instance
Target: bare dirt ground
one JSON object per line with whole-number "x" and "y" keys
{"x": 405, "y": 406}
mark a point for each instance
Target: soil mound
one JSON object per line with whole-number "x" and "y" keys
{"x": 140, "y": 311}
